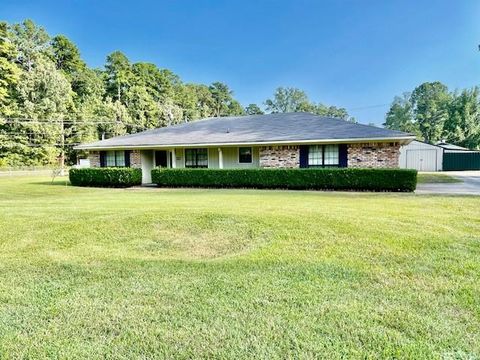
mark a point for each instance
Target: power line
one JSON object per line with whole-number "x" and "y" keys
{"x": 69, "y": 122}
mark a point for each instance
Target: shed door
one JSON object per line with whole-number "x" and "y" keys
{"x": 422, "y": 159}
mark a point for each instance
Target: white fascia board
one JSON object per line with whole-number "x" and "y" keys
{"x": 401, "y": 140}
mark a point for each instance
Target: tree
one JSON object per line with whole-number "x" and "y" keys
{"x": 42, "y": 94}
{"x": 204, "y": 100}
{"x": 43, "y": 82}
{"x": 332, "y": 111}
{"x": 142, "y": 107}
{"x": 400, "y": 116}
{"x": 462, "y": 126}
{"x": 288, "y": 100}
{"x": 296, "y": 100}
{"x": 430, "y": 107}
{"x": 158, "y": 83}
{"x": 31, "y": 43}
{"x": 171, "y": 113}
{"x": 66, "y": 55}
{"x": 253, "y": 109}
{"x": 119, "y": 75}
{"x": 235, "y": 108}
{"x": 88, "y": 83}
{"x": 9, "y": 71}
{"x": 222, "y": 97}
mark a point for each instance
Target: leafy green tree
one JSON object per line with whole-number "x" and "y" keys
{"x": 88, "y": 83}
{"x": 253, "y": 109}
{"x": 158, "y": 83}
{"x": 332, "y": 111}
{"x": 462, "y": 126}
{"x": 171, "y": 113}
{"x": 9, "y": 71}
{"x": 296, "y": 100}
{"x": 43, "y": 82}
{"x": 31, "y": 42}
{"x": 66, "y": 55}
{"x": 43, "y": 93}
{"x": 142, "y": 107}
{"x": 430, "y": 107}
{"x": 287, "y": 99}
{"x": 400, "y": 116}
{"x": 235, "y": 108}
{"x": 119, "y": 75}
{"x": 204, "y": 100}
{"x": 222, "y": 96}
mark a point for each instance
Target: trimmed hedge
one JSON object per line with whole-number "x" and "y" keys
{"x": 106, "y": 177}
{"x": 299, "y": 179}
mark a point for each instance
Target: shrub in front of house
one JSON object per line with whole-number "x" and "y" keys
{"x": 106, "y": 177}
{"x": 404, "y": 180}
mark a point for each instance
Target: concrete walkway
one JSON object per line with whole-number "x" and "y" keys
{"x": 469, "y": 186}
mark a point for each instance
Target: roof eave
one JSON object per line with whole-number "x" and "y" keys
{"x": 400, "y": 139}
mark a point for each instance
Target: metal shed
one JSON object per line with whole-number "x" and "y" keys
{"x": 421, "y": 156}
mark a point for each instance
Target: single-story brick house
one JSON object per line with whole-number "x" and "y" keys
{"x": 290, "y": 140}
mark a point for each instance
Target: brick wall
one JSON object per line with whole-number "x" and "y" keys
{"x": 279, "y": 156}
{"x": 135, "y": 161}
{"x": 373, "y": 155}
{"x": 94, "y": 157}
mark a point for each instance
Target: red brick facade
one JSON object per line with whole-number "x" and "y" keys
{"x": 287, "y": 156}
{"x": 373, "y": 155}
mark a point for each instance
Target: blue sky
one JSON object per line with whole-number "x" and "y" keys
{"x": 355, "y": 54}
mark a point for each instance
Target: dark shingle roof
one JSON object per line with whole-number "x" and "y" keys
{"x": 252, "y": 129}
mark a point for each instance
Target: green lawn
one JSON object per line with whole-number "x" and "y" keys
{"x": 432, "y": 178}
{"x": 108, "y": 273}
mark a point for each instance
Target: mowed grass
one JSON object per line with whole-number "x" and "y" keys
{"x": 432, "y": 178}
{"x": 185, "y": 273}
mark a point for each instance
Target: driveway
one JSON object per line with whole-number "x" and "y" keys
{"x": 469, "y": 186}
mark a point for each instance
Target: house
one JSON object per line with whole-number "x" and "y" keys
{"x": 438, "y": 157}
{"x": 289, "y": 140}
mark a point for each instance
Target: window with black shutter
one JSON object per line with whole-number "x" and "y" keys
{"x": 323, "y": 156}
{"x": 114, "y": 158}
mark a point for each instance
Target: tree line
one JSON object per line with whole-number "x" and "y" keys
{"x": 51, "y": 100}
{"x": 433, "y": 113}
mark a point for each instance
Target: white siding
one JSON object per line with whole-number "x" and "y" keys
{"x": 421, "y": 156}
{"x": 230, "y": 158}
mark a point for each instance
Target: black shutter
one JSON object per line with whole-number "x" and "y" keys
{"x": 103, "y": 156}
{"x": 304, "y": 156}
{"x": 343, "y": 155}
{"x": 127, "y": 158}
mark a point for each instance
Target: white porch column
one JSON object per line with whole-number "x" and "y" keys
{"x": 220, "y": 158}
{"x": 174, "y": 158}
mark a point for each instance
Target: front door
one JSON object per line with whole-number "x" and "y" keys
{"x": 161, "y": 158}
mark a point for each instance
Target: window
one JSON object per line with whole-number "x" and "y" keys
{"x": 115, "y": 158}
{"x": 196, "y": 158}
{"x": 323, "y": 155}
{"x": 331, "y": 155}
{"x": 315, "y": 155}
{"x": 245, "y": 155}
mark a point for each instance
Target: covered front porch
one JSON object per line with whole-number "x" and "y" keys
{"x": 204, "y": 157}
